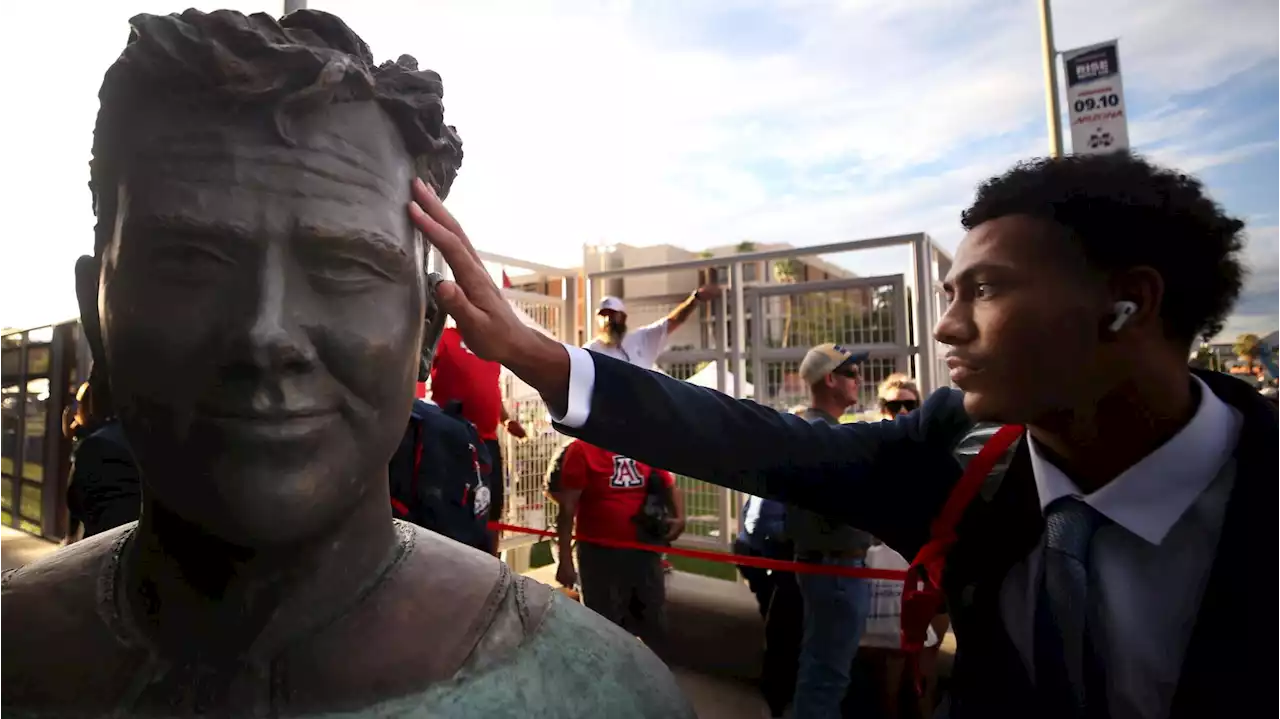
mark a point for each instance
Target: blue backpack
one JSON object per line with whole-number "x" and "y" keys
{"x": 437, "y": 476}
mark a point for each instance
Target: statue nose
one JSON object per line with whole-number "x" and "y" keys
{"x": 276, "y": 340}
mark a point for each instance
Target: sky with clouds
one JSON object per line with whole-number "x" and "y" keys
{"x": 702, "y": 123}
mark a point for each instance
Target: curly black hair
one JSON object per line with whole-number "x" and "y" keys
{"x": 1126, "y": 212}
{"x": 225, "y": 59}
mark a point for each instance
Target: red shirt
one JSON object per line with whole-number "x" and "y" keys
{"x": 458, "y": 374}
{"x": 613, "y": 490}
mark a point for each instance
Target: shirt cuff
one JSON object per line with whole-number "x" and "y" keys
{"x": 582, "y": 381}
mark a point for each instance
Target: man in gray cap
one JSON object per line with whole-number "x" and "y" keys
{"x": 835, "y": 608}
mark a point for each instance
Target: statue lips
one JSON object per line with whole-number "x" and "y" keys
{"x": 273, "y": 424}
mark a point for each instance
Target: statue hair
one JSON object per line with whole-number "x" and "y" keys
{"x": 225, "y": 59}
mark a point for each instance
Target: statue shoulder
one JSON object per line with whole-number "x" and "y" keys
{"x": 453, "y": 632}
{"x": 636, "y": 676}
{"x": 56, "y": 614}
{"x": 417, "y": 627}
{"x": 575, "y": 665}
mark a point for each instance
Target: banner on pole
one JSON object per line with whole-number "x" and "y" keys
{"x": 1095, "y": 99}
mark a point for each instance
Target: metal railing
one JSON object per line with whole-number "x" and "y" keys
{"x": 764, "y": 342}
{"x": 754, "y": 352}
{"x": 525, "y": 461}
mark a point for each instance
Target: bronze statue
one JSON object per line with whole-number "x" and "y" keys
{"x": 257, "y": 301}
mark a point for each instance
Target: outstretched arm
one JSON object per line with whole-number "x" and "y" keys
{"x": 684, "y": 310}
{"x": 888, "y": 478}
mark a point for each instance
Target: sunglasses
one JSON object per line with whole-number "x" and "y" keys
{"x": 895, "y": 406}
{"x": 850, "y": 372}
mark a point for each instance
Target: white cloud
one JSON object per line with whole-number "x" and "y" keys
{"x": 583, "y": 123}
{"x": 1258, "y": 309}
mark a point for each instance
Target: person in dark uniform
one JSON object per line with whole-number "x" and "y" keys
{"x": 763, "y": 534}
{"x": 778, "y": 597}
{"x": 437, "y": 476}
{"x": 458, "y": 375}
{"x": 105, "y": 490}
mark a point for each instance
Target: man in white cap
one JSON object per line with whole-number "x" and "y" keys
{"x": 641, "y": 346}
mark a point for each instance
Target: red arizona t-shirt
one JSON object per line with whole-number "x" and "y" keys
{"x": 613, "y": 490}
{"x": 458, "y": 374}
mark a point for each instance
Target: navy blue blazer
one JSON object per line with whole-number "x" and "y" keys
{"x": 891, "y": 479}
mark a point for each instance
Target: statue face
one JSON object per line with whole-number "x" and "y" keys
{"x": 261, "y": 310}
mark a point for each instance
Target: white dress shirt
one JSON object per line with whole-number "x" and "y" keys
{"x": 1150, "y": 564}
{"x": 751, "y": 513}
{"x": 640, "y": 347}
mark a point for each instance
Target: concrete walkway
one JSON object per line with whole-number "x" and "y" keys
{"x": 715, "y": 642}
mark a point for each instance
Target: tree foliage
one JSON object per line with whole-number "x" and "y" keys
{"x": 1248, "y": 347}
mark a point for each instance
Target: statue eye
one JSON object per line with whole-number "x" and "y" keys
{"x": 346, "y": 271}
{"x": 187, "y": 261}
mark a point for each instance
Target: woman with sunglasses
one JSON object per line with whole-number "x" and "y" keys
{"x": 898, "y": 394}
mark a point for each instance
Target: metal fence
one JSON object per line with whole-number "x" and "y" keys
{"x": 784, "y": 313}
{"x": 781, "y": 319}
{"x": 525, "y": 461}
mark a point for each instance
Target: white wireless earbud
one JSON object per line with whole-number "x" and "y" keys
{"x": 1124, "y": 310}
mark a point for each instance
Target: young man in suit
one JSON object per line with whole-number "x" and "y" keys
{"x": 1107, "y": 571}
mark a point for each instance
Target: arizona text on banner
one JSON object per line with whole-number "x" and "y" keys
{"x": 1095, "y": 99}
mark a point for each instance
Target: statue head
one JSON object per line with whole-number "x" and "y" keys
{"x": 257, "y": 295}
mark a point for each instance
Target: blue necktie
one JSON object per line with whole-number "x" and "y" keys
{"x": 1067, "y": 670}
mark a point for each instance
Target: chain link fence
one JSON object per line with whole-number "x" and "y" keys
{"x": 526, "y": 459}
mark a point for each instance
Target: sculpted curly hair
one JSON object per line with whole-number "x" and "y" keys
{"x": 225, "y": 60}
{"x": 1125, "y": 212}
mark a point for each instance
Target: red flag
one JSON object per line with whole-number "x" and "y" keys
{"x": 506, "y": 281}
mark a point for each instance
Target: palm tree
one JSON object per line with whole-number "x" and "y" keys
{"x": 786, "y": 272}
{"x": 1248, "y": 347}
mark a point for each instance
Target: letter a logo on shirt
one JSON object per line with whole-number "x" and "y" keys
{"x": 625, "y": 474}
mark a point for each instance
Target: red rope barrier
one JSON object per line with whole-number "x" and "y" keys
{"x": 723, "y": 557}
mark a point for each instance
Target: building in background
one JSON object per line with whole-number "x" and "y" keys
{"x": 42, "y": 369}
{"x": 651, "y": 296}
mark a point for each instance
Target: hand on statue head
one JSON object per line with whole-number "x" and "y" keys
{"x": 484, "y": 318}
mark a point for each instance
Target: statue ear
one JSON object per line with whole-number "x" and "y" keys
{"x": 432, "y": 327}
{"x": 88, "y": 269}
{"x": 87, "y": 276}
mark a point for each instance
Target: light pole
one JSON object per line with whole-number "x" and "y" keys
{"x": 1051, "y": 79}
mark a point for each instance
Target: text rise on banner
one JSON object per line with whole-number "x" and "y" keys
{"x": 1095, "y": 99}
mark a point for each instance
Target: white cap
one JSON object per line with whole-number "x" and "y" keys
{"x": 612, "y": 304}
